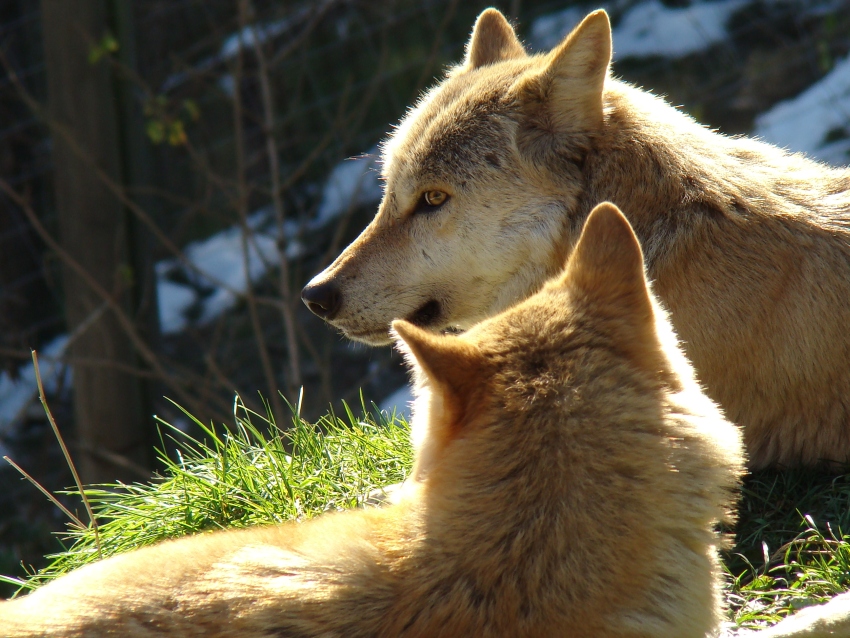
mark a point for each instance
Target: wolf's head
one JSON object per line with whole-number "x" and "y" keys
{"x": 472, "y": 218}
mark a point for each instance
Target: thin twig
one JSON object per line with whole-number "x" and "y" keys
{"x": 242, "y": 209}
{"x": 74, "y": 520}
{"x": 287, "y": 313}
{"x": 126, "y": 323}
{"x": 60, "y": 356}
{"x": 303, "y": 33}
{"x": 67, "y": 454}
{"x": 428, "y": 67}
{"x": 118, "y": 190}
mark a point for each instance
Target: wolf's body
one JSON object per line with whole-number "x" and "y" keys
{"x": 569, "y": 475}
{"x": 748, "y": 245}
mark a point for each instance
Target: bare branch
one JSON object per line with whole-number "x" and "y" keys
{"x": 126, "y": 323}
{"x": 242, "y": 209}
{"x": 287, "y": 312}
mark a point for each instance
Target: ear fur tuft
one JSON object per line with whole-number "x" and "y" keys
{"x": 493, "y": 40}
{"x": 605, "y": 274}
{"x": 608, "y": 244}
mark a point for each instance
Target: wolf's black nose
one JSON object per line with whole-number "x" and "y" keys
{"x": 322, "y": 299}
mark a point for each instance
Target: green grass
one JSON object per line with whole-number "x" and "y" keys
{"x": 789, "y": 549}
{"x": 249, "y": 474}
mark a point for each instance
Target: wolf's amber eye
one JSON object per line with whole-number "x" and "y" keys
{"x": 430, "y": 201}
{"x": 435, "y": 198}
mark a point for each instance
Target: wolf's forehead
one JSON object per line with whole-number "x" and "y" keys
{"x": 457, "y": 143}
{"x": 451, "y": 133}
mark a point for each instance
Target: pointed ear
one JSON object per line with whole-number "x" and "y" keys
{"x": 493, "y": 40}
{"x": 451, "y": 363}
{"x": 606, "y": 277}
{"x": 454, "y": 369}
{"x": 607, "y": 266}
{"x": 564, "y": 93}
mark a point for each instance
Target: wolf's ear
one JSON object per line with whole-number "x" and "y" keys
{"x": 493, "y": 40}
{"x": 447, "y": 361}
{"x": 564, "y": 92}
{"x": 453, "y": 366}
{"x": 607, "y": 267}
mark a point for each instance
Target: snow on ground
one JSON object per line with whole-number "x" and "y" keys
{"x": 353, "y": 182}
{"x": 250, "y": 36}
{"x": 174, "y": 300}
{"x": 183, "y": 291}
{"x": 648, "y": 28}
{"x": 17, "y": 394}
{"x": 221, "y": 257}
{"x": 816, "y": 122}
{"x": 651, "y": 28}
{"x": 548, "y": 30}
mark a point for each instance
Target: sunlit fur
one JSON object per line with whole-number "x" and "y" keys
{"x": 831, "y": 620}
{"x": 569, "y": 479}
{"x": 748, "y": 245}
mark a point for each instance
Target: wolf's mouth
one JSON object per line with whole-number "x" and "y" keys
{"x": 427, "y": 314}
{"x": 369, "y": 337}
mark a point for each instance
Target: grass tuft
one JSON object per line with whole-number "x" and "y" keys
{"x": 250, "y": 474}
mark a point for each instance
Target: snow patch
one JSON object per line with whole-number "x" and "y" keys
{"x": 250, "y": 36}
{"x": 548, "y": 30}
{"x": 183, "y": 290}
{"x": 648, "y": 28}
{"x": 353, "y": 182}
{"x": 227, "y": 84}
{"x": 174, "y": 300}
{"x": 17, "y": 394}
{"x": 247, "y": 38}
{"x": 816, "y": 122}
{"x": 651, "y": 28}
{"x": 221, "y": 258}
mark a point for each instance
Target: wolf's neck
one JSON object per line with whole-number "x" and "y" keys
{"x": 671, "y": 174}
{"x": 488, "y": 510}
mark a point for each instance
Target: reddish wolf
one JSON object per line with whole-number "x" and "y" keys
{"x": 569, "y": 477}
{"x": 491, "y": 175}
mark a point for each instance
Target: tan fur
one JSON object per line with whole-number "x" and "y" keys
{"x": 830, "y": 620}
{"x": 748, "y": 245}
{"x": 570, "y": 475}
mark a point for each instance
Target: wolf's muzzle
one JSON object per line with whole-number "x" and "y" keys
{"x": 323, "y": 299}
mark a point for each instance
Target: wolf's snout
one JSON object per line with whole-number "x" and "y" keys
{"x": 323, "y": 299}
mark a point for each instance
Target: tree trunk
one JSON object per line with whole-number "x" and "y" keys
{"x": 85, "y": 98}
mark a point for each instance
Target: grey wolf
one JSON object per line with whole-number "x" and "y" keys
{"x": 490, "y": 176}
{"x": 569, "y": 476}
